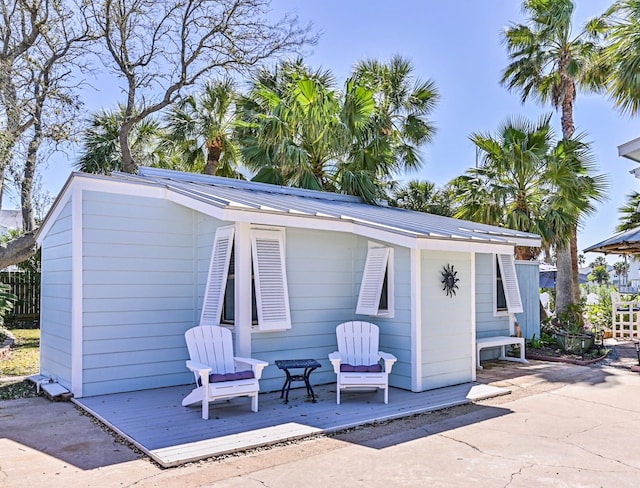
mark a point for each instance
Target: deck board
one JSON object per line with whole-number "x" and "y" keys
{"x": 157, "y": 423}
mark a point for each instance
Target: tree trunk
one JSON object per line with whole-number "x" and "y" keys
{"x": 128, "y": 164}
{"x": 26, "y": 190}
{"x": 569, "y": 292}
{"x": 564, "y": 282}
{"x": 575, "y": 270}
{"x": 214, "y": 151}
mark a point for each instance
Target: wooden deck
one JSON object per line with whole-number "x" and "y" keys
{"x": 157, "y": 423}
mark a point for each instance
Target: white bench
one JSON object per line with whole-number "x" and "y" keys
{"x": 501, "y": 341}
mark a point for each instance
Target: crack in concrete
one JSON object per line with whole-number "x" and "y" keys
{"x": 518, "y": 473}
{"x": 583, "y": 468}
{"x": 591, "y": 402}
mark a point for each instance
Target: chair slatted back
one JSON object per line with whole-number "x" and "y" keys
{"x": 358, "y": 342}
{"x": 213, "y": 346}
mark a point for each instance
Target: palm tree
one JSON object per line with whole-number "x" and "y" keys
{"x": 509, "y": 186}
{"x": 290, "y": 130}
{"x": 621, "y": 269}
{"x": 550, "y": 62}
{"x": 200, "y": 130}
{"x": 622, "y": 54}
{"x": 101, "y": 148}
{"x": 298, "y": 129}
{"x": 630, "y": 217}
{"x": 424, "y": 196}
{"x": 527, "y": 181}
{"x": 403, "y": 105}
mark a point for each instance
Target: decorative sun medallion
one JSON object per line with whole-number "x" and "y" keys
{"x": 449, "y": 280}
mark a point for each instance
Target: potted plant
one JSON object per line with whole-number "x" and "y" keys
{"x": 571, "y": 334}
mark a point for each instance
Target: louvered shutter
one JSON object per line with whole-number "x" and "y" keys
{"x": 272, "y": 295}
{"x": 372, "y": 281}
{"x": 510, "y": 283}
{"x": 217, "y": 279}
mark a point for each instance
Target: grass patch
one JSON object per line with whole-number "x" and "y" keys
{"x": 23, "y": 359}
{"x": 24, "y": 356}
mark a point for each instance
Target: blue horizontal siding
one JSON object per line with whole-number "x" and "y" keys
{"x": 55, "y": 300}
{"x": 138, "y": 289}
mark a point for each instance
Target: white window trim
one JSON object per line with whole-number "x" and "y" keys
{"x": 379, "y": 262}
{"x": 510, "y": 285}
{"x": 272, "y": 295}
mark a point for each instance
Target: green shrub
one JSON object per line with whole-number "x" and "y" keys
{"x": 7, "y": 299}
{"x": 599, "y": 315}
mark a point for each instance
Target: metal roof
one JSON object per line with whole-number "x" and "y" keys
{"x": 627, "y": 242}
{"x": 261, "y": 197}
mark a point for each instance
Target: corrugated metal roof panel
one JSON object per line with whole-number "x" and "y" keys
{"x": 262, "y": 197}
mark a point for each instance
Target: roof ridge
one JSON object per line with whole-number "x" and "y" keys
{"x": 148, "y": 172}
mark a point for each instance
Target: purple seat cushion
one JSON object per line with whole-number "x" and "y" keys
{"x": 219, "y": 378}
{"x": 372, "y": 368}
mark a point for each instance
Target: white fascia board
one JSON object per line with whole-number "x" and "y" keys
{"x": 630, "y": 150}
{"x": 465, "y": 246}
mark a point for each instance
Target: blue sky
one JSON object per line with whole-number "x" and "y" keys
{"x": 456, "y": 43}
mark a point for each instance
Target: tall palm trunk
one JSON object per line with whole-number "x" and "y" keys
{"x": 214, "y": 151}
{"x": 564, "y": 282}
{"x": 568, "y": 129}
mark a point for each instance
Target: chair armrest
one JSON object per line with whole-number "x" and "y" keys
{"x": 257, "y": 365}
{"x": 201, "y": 369}
{"x": 389, "y": 360}
{"x": 336, "y": 360}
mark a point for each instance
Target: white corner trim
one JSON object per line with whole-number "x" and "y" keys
{"x": 416, "y": 319}
{"x": 473, "y": 317}
{"x": 76, "y": 292}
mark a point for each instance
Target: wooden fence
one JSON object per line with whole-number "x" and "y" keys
{"x": 26, "y": 286}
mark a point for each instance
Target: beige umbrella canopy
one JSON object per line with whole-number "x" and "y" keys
{"x": 627, "y": 242}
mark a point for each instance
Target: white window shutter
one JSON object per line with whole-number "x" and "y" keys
{"x": 272, "y": 294}
{"x": 217, "y": 279}
{"x": 372, "y": 281}
{"x": 510, "y": 283}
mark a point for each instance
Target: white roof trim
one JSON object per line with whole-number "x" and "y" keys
{"x": 630, "y": 150}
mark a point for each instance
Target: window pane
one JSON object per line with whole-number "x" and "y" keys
{"x": 384, "y": 294}
{"x": 501, "y": 299}
{"x": 228, "y": 303}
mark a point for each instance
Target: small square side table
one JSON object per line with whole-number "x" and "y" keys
{"x": 308, "y": 365}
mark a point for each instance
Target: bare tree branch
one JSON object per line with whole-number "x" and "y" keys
{"x": 161, "y": 47}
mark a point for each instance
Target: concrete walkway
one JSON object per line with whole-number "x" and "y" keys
{"x": 562, "y": 425}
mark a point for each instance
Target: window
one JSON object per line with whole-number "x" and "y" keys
{"x": 269, "y": 293}
{"x": 507, "y": 285}
{"x": 376, "y": 289}
{"x": 501, "y": 299}
{"x": 229, "y": 301}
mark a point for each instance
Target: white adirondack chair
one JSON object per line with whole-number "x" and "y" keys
{"x": 357, "y": 361}
{"x": 219, "y": 375}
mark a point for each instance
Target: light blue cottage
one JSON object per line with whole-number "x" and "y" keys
{"x": 129, "y": 260}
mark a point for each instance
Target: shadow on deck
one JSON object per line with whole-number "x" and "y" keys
{"x": 157, "y": 423}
